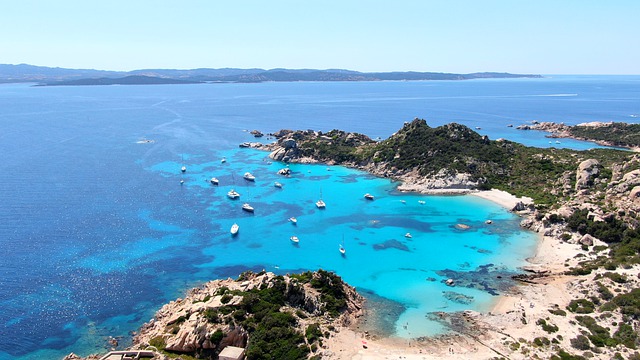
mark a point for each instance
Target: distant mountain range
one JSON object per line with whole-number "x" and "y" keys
{"x": 48, "y": 76}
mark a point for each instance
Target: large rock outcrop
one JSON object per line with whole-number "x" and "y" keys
{"x": 213, "y": 316}
{"x": 587, "y": 171}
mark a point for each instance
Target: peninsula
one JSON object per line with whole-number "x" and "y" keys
{"x": 604, "y": 133}
{"x": 578, "y": 298}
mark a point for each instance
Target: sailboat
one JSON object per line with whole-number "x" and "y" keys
{"x": 234, "y": 229}
{"x": 342, "y": 250}
{"x": 320, "y": 204}
{"x": 232, "y": 194}
{"x": 246, "y": 207}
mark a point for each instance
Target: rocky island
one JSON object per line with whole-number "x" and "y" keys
{"x": 578, "y": 298}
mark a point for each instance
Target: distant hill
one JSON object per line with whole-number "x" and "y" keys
{"x": 127, "y": 80}
{"x": 61, "y": 76}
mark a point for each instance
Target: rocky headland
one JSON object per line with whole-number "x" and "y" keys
{"x": 603, "y": 133}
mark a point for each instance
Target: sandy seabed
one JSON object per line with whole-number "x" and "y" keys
{"x": 503, "y": 322}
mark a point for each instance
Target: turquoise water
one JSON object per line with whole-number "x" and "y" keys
{"x": 379, "y": 257}
{"x": 97, "y": 232}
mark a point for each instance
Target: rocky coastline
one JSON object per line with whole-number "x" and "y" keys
{"x": 560, "y": 130}
{"x": 568, "y": 303}
{"x": 535, "y": 320}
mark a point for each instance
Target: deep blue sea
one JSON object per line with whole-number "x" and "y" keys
{"x": 96, "y": 231}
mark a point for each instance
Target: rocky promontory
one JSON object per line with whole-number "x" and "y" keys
{"x": 271, "y": 316}
{"x": 603, "y": 133}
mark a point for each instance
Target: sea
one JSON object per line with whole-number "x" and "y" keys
{"x": 99, "y": 227}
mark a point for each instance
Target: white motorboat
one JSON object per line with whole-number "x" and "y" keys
{"x": 249, "y": 177}
{"x": 183, "y": 169}
{"x": 248, "y": 208}
{"x": 408, "y": 235}
{"x": 342, "y": 250}
{"x": 277, "y": 184}
{"x": 224, "y": 160}
{"x": 234, "y": 229}
{"x": 232, "y": 194}
{"x": 214, "y": 181}
{"x": 368, "y": 196}
{"x": 294, "y": 239}
{"x": 421, "y": 202}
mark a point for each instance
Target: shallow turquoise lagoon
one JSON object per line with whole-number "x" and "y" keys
{"x": 379, "y": 257}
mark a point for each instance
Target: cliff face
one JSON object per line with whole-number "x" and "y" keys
{"x": 257, "y": 312}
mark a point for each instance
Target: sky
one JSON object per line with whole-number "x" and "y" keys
{"x": 458, "y": 36}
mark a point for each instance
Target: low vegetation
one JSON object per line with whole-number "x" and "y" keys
{"x": 453, "y": 148}
{"x": 617, "y": 134}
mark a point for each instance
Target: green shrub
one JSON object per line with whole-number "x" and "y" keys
{"x": 541, "y": 341}
{"x": 581, "y": 342}
{"x": 558, "y": 312}
{"x": 226, "y": 298}
{"x": 581, "y": 306}
{"x": 629, "y": 303}
{"x": 313, "y": 333}
{"x": 158, "y": 342}
{"x": 604, "y": 292}
{"x": 550, "y": 328}
{"x": 626, "y": 336}
{"x": 216, "y": 337}
{"x": 615, "y": 277}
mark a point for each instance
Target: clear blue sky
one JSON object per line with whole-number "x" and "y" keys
{"x": 461, "y": 36}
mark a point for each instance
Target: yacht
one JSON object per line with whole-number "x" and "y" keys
{"x": 214, "y": 181}
{"x": 232, "y": 194}
{"x": 248, "y": 176}
{"x": 342, "y": 250}
{"x": 320, "y": 204}
{"x": 293, "y": 220}
{"x": 368, "y": 196}
{"x": 246, "y": 207}
{"x": 277, "y": 184}
{"x": 294, "y": 239}
{"x": 234, "y": 229}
